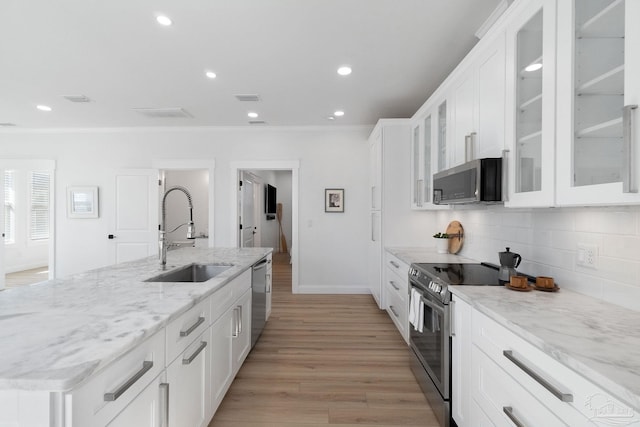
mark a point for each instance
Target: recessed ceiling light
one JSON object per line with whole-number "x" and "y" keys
{"x": 43, "y": 108}
{"x": 210, "y": 74}
{"x": 164, "y": 20}
{"x": 339, "y": 113}
{"x": 252, "y": 114}
{"x": 533, "y": 67}
{"x": 331, "y": 118}
{"x": 345, "y": 70}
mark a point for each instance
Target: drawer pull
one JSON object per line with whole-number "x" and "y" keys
{"x": 394, "y": 285}
{"x": 236, "y": 330}
{"x": 195, "y": 354}
{"x": 112, "y": 396}
{"x": 164, "y": 404}
{"x": 538, "y": 377}
{"x": 393, "y": 310}
{"x": 509, "y": 411}
{"x": 395, "y": 264}
{"x": 193, "y": 327}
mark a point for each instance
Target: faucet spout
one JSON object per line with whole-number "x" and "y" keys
{"x": 191, "y": 230}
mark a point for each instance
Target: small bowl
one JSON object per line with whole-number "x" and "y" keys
{"x": 545, "y": 282}
{"x": 518, "y": 282}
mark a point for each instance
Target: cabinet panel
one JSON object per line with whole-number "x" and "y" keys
{"x": 464, "y": 119}
{"x": 183, "y": 331}
{"x": 242, "y": 337}
{"x": 491, "y": 101}
{"x": 221, "y": 360}
{"x": 269, "y": 285}
{"x": 461, "y": 343}
{"x": 144, "y": 411}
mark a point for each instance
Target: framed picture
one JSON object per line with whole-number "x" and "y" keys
{"x": 334, "y": 200}
{"x": 82, "y": 202}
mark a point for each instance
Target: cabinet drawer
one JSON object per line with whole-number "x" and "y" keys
{"x": 100, "y": 399}
{"x": 182, "y": 331}
{"x": 532, "y": 368}
{"x": 222, "y": 299}
{"x": 396, "y": 283}
{"x": 398, "y": 311}
{"x": 497, "y": 393}
{"x": 396, "y": 265}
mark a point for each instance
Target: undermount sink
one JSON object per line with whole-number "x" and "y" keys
{"x": 191, "y": 273}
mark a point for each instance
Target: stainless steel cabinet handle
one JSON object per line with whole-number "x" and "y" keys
{"x": 164, "y": 404}
{"x": 188, "y": 360}
{"x": 393, "y": 310}
{"x": 629, "y": 179}
{"x": 395, "y": 264}
{"x": 521, "y": 363}
{"x": 509, "y": 411}
{"x": 268, "y": 283}
{"x": 394, "y": 285}
{"x": 452, "y": 310}
{"x": 469, "y": 146}
{"x": 240, "y": 322}
{"x": 505, "y": 175}
{"x": 236, "y": 331}
{"x": 193, "y": 327}
{"x": 114, "y": 395}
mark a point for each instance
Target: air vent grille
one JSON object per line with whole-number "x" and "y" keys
{"x": 249, "y": 97}
{"x": 76, "y": 98}
{"x": 164, "y": 113}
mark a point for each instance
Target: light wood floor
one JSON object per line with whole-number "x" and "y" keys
{"x": 26, "y": 277}
{"x": 325, "y": 360}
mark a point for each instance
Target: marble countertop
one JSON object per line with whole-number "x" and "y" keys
{"x": 598, "y": 340}
{"x": 416, "y": 254}
{"x": 56, "y": 333}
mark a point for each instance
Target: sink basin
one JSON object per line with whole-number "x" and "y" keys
{"x": 191, "y": 273}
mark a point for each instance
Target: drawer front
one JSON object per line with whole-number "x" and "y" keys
{"x": 533, "y": 368}
{"x": 182, "y": 331}
{"x": 223, "y": 298}
{"x": 498, "y": 394}
{"x": 398, "y": 311}
{"x": 109, "y": 392}
{"x": 396, "y": 265}
{"x": 396, "y": 283}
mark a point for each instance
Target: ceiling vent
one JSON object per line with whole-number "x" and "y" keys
{"x": 249, "y": 97}
{"x": 164, "y": 113}
{"x": 76, "y": 98}
{"x": 257, "y": 122}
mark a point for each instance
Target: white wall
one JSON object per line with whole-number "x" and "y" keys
{"x": 547, "y": 240}
{"x": 330, "y": 245}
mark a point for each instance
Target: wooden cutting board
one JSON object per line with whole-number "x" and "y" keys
{"x": 455, "y": 243}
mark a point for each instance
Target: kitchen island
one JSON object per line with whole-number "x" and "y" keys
{"x": 57, "y": 335}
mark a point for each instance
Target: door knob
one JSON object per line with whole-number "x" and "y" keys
{"x": 111, "y": 236}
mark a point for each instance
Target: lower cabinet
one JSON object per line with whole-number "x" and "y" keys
{"x": 269, "y": 285}
{"x": 189, "y": 398}
{"x": 461, "y": 362}
{"x": 396, "y": 293}
{"x": 149, "y": 401}
{"x": 241, "y": 344}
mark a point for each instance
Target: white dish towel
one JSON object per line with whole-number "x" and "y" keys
{"x": 416, "y": 310}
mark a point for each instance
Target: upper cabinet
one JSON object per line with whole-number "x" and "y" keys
{"x": 598, "y": 93}
{"x": 423, "y": 162}
{"x": 530, "y": 118}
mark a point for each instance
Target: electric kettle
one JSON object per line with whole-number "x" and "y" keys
{"x": 508, "y": 263}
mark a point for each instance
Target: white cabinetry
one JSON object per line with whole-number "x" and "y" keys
{"x": 424, "y": 155}
{"x": 513, "y": 380}
{"x": 269, "y": 285}
{"x": 388, "y": 217}
{"x": 598, "y": 87}
{"x": 396, "y": 289}
{"x": 146, "y": 410}
{"x": 461, "y": 363}
{"x": 531, "y": 105}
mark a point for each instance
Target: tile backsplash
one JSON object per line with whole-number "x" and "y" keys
{"x": 548, "y": 240}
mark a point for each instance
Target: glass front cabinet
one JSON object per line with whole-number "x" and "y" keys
{"x": 424, "y": 155}
{"x": 530, "y": 127}
{"x": 598, "y": 93}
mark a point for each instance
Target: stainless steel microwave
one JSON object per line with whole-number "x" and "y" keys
{"x": 477, "y": 181}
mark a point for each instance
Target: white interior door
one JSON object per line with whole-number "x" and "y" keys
{"x": 248, "y": 227}
{"x": 134, "y": 217}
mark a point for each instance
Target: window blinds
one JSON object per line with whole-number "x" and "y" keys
{"x": 39, "y": 210}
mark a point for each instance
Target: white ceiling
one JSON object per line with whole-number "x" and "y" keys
{"x": 287, "y": 51}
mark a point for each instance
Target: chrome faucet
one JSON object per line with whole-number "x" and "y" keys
{"x": 191, "y": 231}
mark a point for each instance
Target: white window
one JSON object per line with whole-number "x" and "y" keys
{"x": 39, "y": 206}
{"x": 9, "y": 207}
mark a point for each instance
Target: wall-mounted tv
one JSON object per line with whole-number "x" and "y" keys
{"x": 270, "y": 200}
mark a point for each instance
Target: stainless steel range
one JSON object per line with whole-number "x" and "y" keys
{"x": 430, "y": 330}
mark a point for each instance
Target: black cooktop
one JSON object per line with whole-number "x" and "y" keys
{"x": 461, "y": 274}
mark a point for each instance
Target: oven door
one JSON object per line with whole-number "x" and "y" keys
{"x": 432, "y": 346}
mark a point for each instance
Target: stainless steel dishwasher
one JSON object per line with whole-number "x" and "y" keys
{"x": 258, "y": 299}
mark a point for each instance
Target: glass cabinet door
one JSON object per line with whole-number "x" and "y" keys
{"x": 442, "y": 136}
{"x": 416, "y": 175}
{"x": 528, "y": 149}
{"x": 426, "y": 160}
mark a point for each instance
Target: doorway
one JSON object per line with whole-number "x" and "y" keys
{"x": 27, "y": 243}
{"x": 270, "y": 235}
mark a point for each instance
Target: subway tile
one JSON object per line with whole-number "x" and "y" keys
{"x": 577, "y": 282}
{"x": 621, "y": 294}
{"x": 517, "y": 219}
{"x": 609, "y": 221}
{"x": 554, "y": 219}
{"x": 627, "y": 247}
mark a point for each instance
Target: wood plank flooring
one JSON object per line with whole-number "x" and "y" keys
{"x": 325, "y": 360}
{"x": 26, "y": 277}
